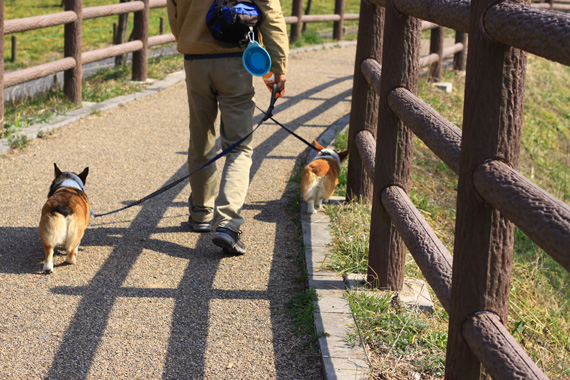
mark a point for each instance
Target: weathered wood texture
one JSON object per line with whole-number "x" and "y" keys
{"x": 366, "y": 146}
{"x": 160, "y": 40}
{"x": 157, "y": 4}
{"x": 73, "y": 37}
{"x": 461, "y": 55}
{"x": 111, "y": 51}
{"x": 439, "y": 134}
{"x": 484, "y": 237}
{"x": 542, "y": 32}
{"x": 394, "y": 153}
{"x": 365, "y": 101}
{"x": 112, "y": 10}
{"x": 338, "y": 25}
{"x": 24, "y": 75}
{"x": 542, "y": 217}
{"x": 140, "y": 33}
{"x": 320, "y": 18}
{"x": 372, "y": 71}
{"x": 436, "y": 47}
{"x": 453, "y": 14}
{"x": 38, "y": 22}
{"x": 297, "y": 26}
{"x": 499, "y": 352}
{"x": 430, "y": 254}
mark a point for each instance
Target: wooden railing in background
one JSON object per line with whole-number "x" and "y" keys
{"x": 493, "y": 197}
{"x": 74, "y": 58}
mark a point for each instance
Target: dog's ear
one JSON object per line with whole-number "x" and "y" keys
{"x": 57, "y": 172}
{"x": 342, "y": 155}
{"x": 83, "y": 175}
{"x": 319, "y": 146}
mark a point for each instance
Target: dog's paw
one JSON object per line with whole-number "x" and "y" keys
{"x": 70, "y": 261}
{"x": 48, "y": 268}
{"x": 311, "y": 208}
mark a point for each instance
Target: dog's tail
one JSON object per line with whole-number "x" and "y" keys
{"x": 64, "y": 210}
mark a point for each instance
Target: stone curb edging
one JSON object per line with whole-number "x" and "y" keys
{"x": 333, "y": 318}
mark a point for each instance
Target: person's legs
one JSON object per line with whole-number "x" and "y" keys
{"x": 235, "y": 90}
{"x": 203, "y": 111}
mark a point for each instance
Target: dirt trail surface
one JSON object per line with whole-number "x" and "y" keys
{"x": 147, "y": 299}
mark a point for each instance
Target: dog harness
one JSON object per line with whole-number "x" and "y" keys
{"x": 74, "y": 181}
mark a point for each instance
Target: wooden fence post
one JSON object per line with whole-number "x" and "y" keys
{"x": 296, "y": 27}
{"x": 395, "y": 146}
{"x": 2, "y": 65}
{"x": 72, "y": 48}
{"x": 140, "y": 32}
{"x": 365, "y": 101}
{"x": 459, "y": 57}
{"x": 492, "y": 120}
{"x": 338, "y": 25}
{"x": 14, "y": 49}
{"x": 436, "y": 46}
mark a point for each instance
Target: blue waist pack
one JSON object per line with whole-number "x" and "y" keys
{"x": 231, "y": 20}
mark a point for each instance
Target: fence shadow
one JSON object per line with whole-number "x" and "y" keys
{"x": 193, "y": 296}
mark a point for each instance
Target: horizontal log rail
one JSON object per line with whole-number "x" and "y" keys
{"x": 439, "y": 134}
{"x": 372, "y": 71}
{"x": 111, "y": 51}
{"x": 367, "y": 150}
{"x": 430, "y": 254}
{"x": 162, "y": 39}
{"x": 25, "y": 75}
{"x": 553, "y": 6}
{"x": 542, "y": 217}
{"x": 320, "y": 18}
{"x": 499, "y": 352}
{"x": 157, "y": 4}
{"x": 38, "y": 22}
{"x": 537, "y": 31}
{"x": 112, "y": 10}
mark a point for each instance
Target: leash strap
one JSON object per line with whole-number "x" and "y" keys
{"x": 290, "y": 131}
{"x": 218, "y": 156}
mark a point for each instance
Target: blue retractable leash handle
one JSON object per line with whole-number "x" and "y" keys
{"x": 268, "y": 114}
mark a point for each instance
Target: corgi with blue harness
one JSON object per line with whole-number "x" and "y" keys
{"x": 65, "y": 216}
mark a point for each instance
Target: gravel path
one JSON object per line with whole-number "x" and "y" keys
{"x": 148, "y": 299}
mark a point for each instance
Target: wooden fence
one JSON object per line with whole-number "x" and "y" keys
{"x": 473, "y": 285}
{"x": 74, "y": 58}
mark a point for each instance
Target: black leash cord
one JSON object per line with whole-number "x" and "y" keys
{"x": 290, "y": 131}
{"x": 268, "y": 115}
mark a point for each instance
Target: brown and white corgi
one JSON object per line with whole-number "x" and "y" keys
{"x": 320, "y": 177}
{"x": 65, "y": 215}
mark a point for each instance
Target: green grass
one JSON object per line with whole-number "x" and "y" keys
{"x": 44, "y": 45}
{"x": 539, "y": 309}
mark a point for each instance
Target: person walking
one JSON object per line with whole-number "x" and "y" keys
{"x": 216, "y": 78}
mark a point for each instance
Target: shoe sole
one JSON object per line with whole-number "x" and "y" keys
{"x": 200, "y": 228}
{"x": 227, "y": 244}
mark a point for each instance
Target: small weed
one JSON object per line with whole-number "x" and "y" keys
{"x": 301, "y": 308}
{"x": 18, "y": 142}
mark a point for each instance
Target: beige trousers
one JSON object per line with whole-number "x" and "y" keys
{"x": 223, "y": 83}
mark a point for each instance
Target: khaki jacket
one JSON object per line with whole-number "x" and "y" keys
{"x": 188, "y": 24}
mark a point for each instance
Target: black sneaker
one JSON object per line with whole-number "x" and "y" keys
{"x": 229, "y": 241}
{"x": 199, "y": 226}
